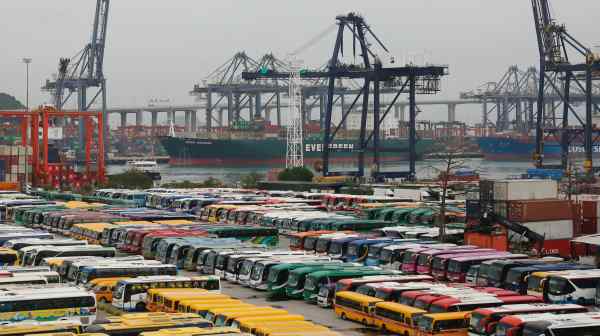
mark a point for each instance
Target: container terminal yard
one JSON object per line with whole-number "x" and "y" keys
{"x": 344, "y": 233}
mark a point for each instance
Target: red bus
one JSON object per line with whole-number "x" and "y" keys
{"x": 297, "y": 239}
{"x": 465, "y": 303}
{"x": 512, "y": 325}
{"x": 133, "y": 240}
{"x": 352, "y": 284}
{"x": 426, "y": 258}
{"x": 496, "y": 291}
{"x": 457, "y": 268}
{"x": 394, "y": 293}
{"x": 520, "y": 299}
{"x": 485, "y": 320}
{"x": 408, "y": 297}
{"x": 425, "y": 301}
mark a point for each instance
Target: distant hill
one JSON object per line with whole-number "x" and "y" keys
{"x": 8, "y": 102}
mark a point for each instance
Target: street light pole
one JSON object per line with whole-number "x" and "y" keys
{"x": 27, "y": 61}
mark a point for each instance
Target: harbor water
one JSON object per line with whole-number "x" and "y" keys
{"x": 425, "y": 169}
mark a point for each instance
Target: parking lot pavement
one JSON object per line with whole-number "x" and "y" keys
{"x": 325, "y": 317}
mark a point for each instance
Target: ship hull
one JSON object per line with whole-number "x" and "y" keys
{"x": 522, "y": 149}
{"x": 271, "y": 152}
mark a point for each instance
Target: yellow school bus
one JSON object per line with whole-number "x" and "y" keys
{"x": 397, "y": 318}
{"x": 154, "y": 297}
{"x": 168, "y": 301}
{"x": 24, "y": 328}
{"x": 225, "y": 319}
{"x": 192, "y": 331}
{"x": 201, "y": 307}
{"x": 290, "y": 326}
{"x": 355, "y": 307}
{"x": 103, "y": 288}
{"x": 249, "y": 324}
{"x": 444, "y": 324}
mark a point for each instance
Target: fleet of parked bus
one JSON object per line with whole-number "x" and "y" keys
{"x": 377, "y": 264}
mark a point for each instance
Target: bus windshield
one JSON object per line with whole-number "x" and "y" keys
{"x": 426, "y": 323}
{"x": 494, "y": 272}
{"x": 559, "y": 286}
{"x": 335, "y": 248}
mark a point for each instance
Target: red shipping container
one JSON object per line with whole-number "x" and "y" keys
{"x": 560, "y": 247}
{"x": 588, "y": 226}
{"x": 539, "y": 210}
{"x": 495, "y": 241}
{"x": 589, "y": 209}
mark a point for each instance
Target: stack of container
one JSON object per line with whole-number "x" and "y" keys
{"x": 531, "y": 203}
{"x": 13, "y": 162}
{"x": 535, "y": 205}
{"x": 590, "y": 211}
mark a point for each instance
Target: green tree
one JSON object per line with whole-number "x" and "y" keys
{"x": 8, "y": 102}
{"x": 250, "y": 181}
{"x": 298, "y": 174}
{"x": 131, "y": 179}
{"x": 211, "y": 182}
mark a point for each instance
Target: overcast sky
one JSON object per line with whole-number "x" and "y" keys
{"x": 160, "y": 49}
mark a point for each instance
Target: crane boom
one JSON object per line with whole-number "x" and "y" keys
{"x": 97, "y": 44}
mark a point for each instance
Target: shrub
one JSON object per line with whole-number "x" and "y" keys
{"x": 299, "y": 174}
{"x": 250, "y": 181}
{"x": 131, "y": 179}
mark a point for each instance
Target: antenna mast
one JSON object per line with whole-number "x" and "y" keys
{"x": 295, "y": 151}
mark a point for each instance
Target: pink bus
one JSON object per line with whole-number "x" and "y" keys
{"x": 426, "y": 258}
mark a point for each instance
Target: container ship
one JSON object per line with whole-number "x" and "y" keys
{"x": 270, "y": 152}
{"x": 511, "y": 147}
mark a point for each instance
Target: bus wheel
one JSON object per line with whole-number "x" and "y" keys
{"x": 141, "y": 307}
{"x": 406, "y": 333}
{"x": 364, "y": 321}
{"x": 343, "y": 316}
{"x": 383, "y": 328}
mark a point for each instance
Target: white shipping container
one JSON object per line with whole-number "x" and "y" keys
{"x": 413, "y": 194}
{"x": 562, "y": 229}
{"x": 519, "y": 190}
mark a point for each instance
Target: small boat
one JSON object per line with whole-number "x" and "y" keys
{"x": 148, "y": 167}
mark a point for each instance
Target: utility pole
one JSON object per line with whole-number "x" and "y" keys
{"x": 27, "y": 61}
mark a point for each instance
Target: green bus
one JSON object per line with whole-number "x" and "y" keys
{"x": 279, "y": 274}
{"x": 327, "y": 279}
{"x": 294, "y": 288}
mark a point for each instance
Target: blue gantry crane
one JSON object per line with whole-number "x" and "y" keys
{"x": 557, "y": 52}
{"x": 84, "y": 72}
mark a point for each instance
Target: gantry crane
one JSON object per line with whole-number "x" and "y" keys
{"x": 556, "y": 46}
{"x": 409, "y": 79}
{"x": 85, "y": 73}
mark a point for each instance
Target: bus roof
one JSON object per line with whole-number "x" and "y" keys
{"x": 462, "y": 258}
{"x": 397, "y": 306}
{"x": 514, "y": 309}
{"x": 358, "y": 297}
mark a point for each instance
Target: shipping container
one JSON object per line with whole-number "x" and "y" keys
{"x": 590, "y": 208}
{"x": 497, "y": 241}
{"x": 486, "y": 190}
{"x": 551, "y": 230}
{"x": 560, "y": 247}
{"x": 501, "y": 208}
{"x": 473, "y": 209}
{"x": 588, "y": 226}
{"x": 516, "y": 190}
{"x": 539, "y": 210}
